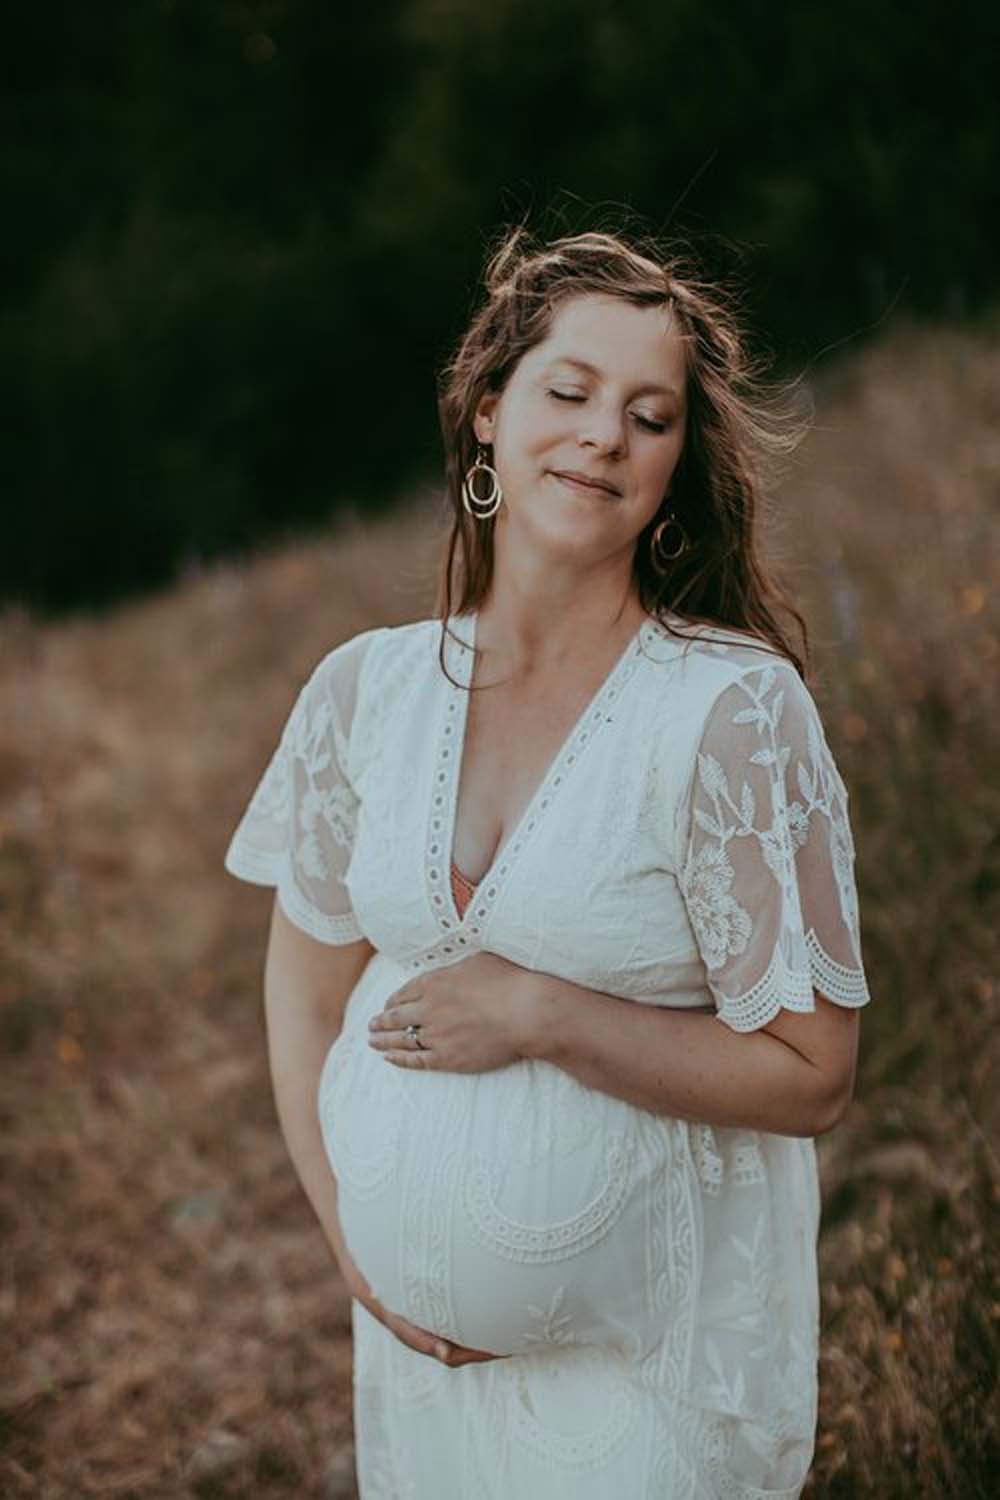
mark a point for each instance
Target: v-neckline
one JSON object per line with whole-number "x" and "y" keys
{"x": 448, "y": 772}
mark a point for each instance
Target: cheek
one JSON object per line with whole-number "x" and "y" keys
{"x": 539, "y": 431}
{"x": 525, "y": 436}
{"x": 654, "y": 475}
{"x": 668, "y": 460}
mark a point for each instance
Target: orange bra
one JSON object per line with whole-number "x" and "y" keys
{"x": 462, "y": 890}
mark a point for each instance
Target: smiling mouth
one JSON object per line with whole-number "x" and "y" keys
{"x": 586, "y": 485}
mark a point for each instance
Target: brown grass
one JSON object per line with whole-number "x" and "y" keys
{"x": 172, "y": 1322}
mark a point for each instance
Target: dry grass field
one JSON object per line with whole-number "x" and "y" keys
{"x": 172, "y": 1323}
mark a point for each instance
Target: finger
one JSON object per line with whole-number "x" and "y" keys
{"x": 396, "y": 1038}
{"x": 415, "y": 1059}
{"x": 417, "y": 1338}
{"x": 438, "y": 1348}
{"x": 457, "y": 1355}
{"x": 443, "y": 1349}
{"x": 404, "y": 992}
{"x": 409, "y": 1334}
{"x": 395, "y": 1017}
{"x": 398, "y": 1041}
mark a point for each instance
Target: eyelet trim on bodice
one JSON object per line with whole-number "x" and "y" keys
{"x": 464, "y": 929}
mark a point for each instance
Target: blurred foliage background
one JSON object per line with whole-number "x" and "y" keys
{"x": 239, "y": 237}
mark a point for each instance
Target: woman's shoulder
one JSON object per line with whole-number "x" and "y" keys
{"x": 374, "y": 650}
{"x": 713, "y": 681}
{"x": 377, "y": 671}
{"x": 708, "y": 657}
{"x": 742, "y": 692}
{"x": 713, "y": 639}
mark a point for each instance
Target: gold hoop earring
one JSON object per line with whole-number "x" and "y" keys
{"x": 481, "y": 506}
{"x": 659, "y": 558}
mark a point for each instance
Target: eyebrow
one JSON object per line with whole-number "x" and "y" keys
{"x": 650, "y": 386}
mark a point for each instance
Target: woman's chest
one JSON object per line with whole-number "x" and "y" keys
{"x": 508, "y": 740}
{"x": 580, "y": 879}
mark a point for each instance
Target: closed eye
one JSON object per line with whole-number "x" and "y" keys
{"x": 648, "y": 424}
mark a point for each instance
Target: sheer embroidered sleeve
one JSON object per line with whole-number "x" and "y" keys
{"x": 768, "y": 869}
{"x": 297, "y": 832}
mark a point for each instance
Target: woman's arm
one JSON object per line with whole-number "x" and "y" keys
{"x": 306, "y": 988}
{"x": 794, "y": 1076}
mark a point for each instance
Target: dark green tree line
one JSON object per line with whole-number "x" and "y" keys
{"x": 240, "y": 237}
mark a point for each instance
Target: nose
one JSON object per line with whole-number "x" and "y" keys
{"x": 602, "y": 427}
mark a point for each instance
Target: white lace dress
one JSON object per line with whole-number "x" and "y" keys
{"x": 653, "y": 1281}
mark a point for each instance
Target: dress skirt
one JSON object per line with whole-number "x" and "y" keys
{"x": 559, "y": 1424}
{"x": 568, "y": 1421}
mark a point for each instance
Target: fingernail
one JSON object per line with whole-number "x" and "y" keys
{"x": 440, "y": 1350}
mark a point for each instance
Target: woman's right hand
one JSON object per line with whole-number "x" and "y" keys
{"x": 408, "y": 1333}
{"x": 424, "y": 1342}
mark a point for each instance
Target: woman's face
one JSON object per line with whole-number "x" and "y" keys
{"x": 604, "y": 397}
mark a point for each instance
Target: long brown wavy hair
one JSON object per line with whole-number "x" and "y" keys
{"x": 739, "y": 427}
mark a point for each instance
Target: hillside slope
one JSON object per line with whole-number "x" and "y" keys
{"x": 172, "y": 1323}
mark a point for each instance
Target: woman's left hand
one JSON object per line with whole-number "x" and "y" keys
{"x": 474, "y": 1016}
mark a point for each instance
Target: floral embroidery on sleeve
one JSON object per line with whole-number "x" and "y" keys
{"x": 768, "y": 875}
{"x": 721, "y": 924}
{"x": 297, "y": 833}
{"x": 328, "y": 808}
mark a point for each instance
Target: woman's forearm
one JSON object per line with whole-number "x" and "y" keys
{"x": 298, "y": 1040}
{"x": 685, "y": 1064}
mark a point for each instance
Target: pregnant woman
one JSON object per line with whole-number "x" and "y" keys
{"x": 564, "y": 966}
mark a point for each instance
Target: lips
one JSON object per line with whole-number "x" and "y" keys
{"x": 603, "y": 486}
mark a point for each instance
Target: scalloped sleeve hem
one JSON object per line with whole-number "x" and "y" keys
{"x": 783, "y": 990}
{"x": 250, "y": 864}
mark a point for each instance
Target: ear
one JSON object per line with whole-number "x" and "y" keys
{"x": 484, "y": 421}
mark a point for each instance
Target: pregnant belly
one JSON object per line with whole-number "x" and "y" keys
{"x": 510, "y": 1209}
